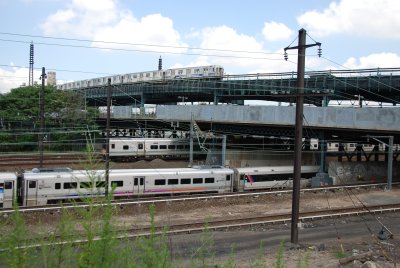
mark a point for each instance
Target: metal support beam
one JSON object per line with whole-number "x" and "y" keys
{"x": 107, "y": 177}
{"x": 41, "y": 108}
{"x": 389, "y": 157}
{"x": 191, "y": 142}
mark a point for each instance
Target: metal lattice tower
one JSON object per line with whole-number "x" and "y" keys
{"x": 160, "y": 64}
{"x": 31, "y": 57}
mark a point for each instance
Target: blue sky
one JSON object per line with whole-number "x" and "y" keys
{"x": 243, "y": 36}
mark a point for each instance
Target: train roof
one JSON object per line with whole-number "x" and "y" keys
{"x": 8, "y": 175}
{"x": 147, "y": 139}
{"x": 274, "y": 169}
{"x": 127, "y": 172}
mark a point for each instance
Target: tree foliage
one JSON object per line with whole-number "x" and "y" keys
{"x": 65, "y": 113}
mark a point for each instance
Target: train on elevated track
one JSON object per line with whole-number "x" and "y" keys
{"x": 49, "y": 186}
{"x": 130, "y": 149}
{"x": 210, "y": 71}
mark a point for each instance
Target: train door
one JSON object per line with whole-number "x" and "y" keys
{"x": 138, "y": 185}
{"x": 7, "y": 192}
{"x": 229, "y": 183}
{"x": 141, "y": 149}
{"x": 31, "y": 192}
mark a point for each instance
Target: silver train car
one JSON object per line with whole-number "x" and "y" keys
{"x": 210, "y": 71}
{"x": 270, "y": 177}
{"x": 8, "y": 189}
{"x": 126, "y": 149}
{"x": 48, "y": 186}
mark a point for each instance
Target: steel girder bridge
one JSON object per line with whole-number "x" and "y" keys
{"x": 380, "y": 85}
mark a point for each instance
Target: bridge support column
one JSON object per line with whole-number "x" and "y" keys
{"x": 216, "y": 99}
{"x": 322, "y": 144}
{"x": 143, "y": 100}
{"x": 325, "y": 101}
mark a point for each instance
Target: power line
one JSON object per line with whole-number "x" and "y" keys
{"x": 140, "y": 44}
{"x": 147, "y": 51}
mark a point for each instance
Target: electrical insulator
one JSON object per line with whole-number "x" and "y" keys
{"x": 285, "y": 56}
{"x": 319, "y": 52}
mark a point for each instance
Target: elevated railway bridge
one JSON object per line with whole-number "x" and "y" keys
{"x": 380, "y": 85}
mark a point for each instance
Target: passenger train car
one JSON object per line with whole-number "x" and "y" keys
{"x": 45, "y": 186}
{"x": 211, "y": 71}
{"x": 256, "y": 178}
{"x": 125, "y": 149}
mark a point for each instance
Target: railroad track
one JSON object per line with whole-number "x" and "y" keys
{"x": 187, "y": 198}
{"x": 266, "y": 219}
{"x": 193, "y": 227}
{"x": 16, "y": 162}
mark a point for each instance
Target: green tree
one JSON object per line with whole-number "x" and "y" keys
{"x": 66, "y": 115}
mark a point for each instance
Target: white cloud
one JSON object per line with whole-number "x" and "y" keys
{"x": 154, "y": 30}
{"x": 274, "y": 31}
{"x": 15, "y": 77}
{"x": 381, "y": 60}
{"x": 81, "y": 18}
{"x": 237, "y": 52}
{"x": 378, "y": 18}
{"x": 104, "y": 21}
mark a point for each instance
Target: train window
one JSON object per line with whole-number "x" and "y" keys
{"x": 100, "y": 184}
{"x": 113, "y": 146}
{"x": 154, "y": 147}
{"x": 172, "y": 147}
{"x": 209, "y": 180}
{"x": 117, "y": 184}
{"x": 163, "y": 147}
{"x": 141, "y": 181}
{"x": 84, "y": 184}
{"x": 135, "y": 181}
{"x": 180, "y": 146}
{"x": 125, "y": 147}
{"x": 32, "y": 184}
{"x": 57, "y": 186}
{"x": 159, "y": 182}
{"x": 8, "y": 185}
{"x": 147, "y": 74}
{"x": 187, "y": 146}
{"x": 140, "y": 146}
{"x": 70, "y": 185}
{"x": 173, "y": 181}
{"x": 185, "y": 181}
{"x": 228, "y": 178}
{"x": 197, "y": 180}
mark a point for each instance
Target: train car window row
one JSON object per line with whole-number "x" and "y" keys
{"x": 184, "y": 181}
{"x": 270, "y": 177}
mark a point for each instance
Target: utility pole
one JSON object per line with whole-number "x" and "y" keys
{"x": 107, "y": 175}
{"x": 191, "y": 141}
{"x": 301, "y": 48}
{"x": 41, "y": 112}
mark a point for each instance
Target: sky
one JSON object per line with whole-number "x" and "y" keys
{"x": 83, "y": 39}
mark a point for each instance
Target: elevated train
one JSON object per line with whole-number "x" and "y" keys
{"x": 46, "y": 186}
{"x": 210, "y": 71}
{"x": 127, "y": 149}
